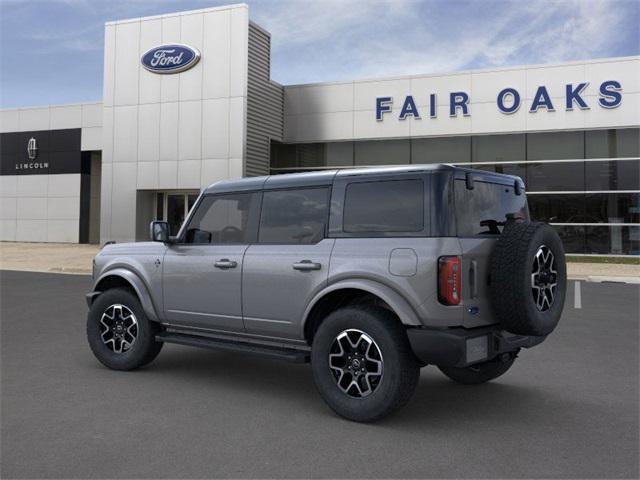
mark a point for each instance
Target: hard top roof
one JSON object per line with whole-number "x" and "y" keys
{"x": 326, "y": 177}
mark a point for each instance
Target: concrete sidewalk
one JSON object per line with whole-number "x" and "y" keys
{"x": 73, "y": 258}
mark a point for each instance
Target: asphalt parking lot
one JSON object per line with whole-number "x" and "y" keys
{"x": 568, "y": 408}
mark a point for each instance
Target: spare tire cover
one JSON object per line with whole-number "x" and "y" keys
{"x": 528, "y": 278}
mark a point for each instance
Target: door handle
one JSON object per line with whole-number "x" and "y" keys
{"x": 306, "y": 265}
{"x": 225, "y": 263}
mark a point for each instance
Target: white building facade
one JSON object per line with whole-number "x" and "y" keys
{"x": 102, "y": 171}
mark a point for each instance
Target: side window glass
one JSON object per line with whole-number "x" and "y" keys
{"x": 294, "y": 216}
{"x": 384, "y": 206}
{"x": 222, "y": 219}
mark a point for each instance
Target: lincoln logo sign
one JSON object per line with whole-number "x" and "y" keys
{"x": 508, "y": 101}
{"x": 172, "y": 58}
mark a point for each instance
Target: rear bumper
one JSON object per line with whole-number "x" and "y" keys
{"x": 461, "y": 347}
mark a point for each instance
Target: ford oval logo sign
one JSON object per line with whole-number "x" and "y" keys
{"x": 171, "y": 58}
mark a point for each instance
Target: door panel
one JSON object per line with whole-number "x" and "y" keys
{"x": 278, "y": 283}
{"x": 197, "y": 292}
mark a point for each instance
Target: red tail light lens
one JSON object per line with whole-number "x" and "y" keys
{"x": 449, "y": 280}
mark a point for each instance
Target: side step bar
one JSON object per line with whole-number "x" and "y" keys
{"x": 289, "y": 355}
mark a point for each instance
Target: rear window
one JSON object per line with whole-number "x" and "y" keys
{"x": 384, "y": 206}
{"x": 489, "y": 203}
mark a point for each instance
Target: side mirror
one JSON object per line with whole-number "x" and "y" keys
{"x": 159, "y": 232}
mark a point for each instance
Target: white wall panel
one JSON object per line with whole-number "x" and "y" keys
{"x": 192, "y": 35}
{"x": 66, "y": 231}
{"x": 8, "y": 185}
{"x": 125, "y": 134}
{"x": 127, "y": 63}
{"x": 422, "y": 86}
{"x": 237, "y": 126}
{"x": 189, "y": 173}
{"x": 149, "y": 132}
{"x": 65, "y": 116}
{"x": 63, "y": 208}
{"x": 215, "y": 128}
{"x": 8, "y": 208}
{"x": 190, "y": 130}
{"x": 91, "y": 115}
{"x": 485, "y": 86}
{"x": 32, "y": 185}
{"x": 170, "y": 84}
{"x": 147, "y": 175}
{"x": 91, "y": 138}
{"x": 169, "y": 131}
{"x": 214, "y": 170}
{"x": 34, "y": 119}
{"x": 149, "y": 83}
{"x": 9, "y": 120}
{"x": 31, "y": 230}
{"x": 168, "y": 174}
{"x": 626, "y": 72}
{"x": 365, "y": 93}
{"x": 8, "y": 230}
{"x": 320, "y": 99}
{"x": 216, "y": 58}
{"x": 63, "y": 185}
{"x": 239, "y": 52}
{"x": 554, "y": 78}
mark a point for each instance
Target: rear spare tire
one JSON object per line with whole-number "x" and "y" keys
{"x": 528, "y": 278}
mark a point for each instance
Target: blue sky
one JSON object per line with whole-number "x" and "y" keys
{"x": 51, "y": 50}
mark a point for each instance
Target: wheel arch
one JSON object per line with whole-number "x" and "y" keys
{"x": 123, "y": 278}
{"x": 355, "y": 291}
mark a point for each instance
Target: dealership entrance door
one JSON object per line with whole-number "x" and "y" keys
{"x": 173, "y": 207}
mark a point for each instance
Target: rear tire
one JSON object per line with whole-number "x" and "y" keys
{"x": 481, "y": 372}
{"x": 119, "y": 333}
{"x": 362, "y": 363}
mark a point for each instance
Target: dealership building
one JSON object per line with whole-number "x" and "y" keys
{"x": 188, "y": 101}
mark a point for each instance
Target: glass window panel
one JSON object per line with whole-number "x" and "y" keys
{"x": 283, "y": 155}
{"x": 384, "y": 206}
{"x": 310, "y": 155}
{"x": 499, "y": 148}
{"x": 613, "y": 175}
{"x": 221, "y": 219}
{"x": 441, "y": 150}
{"x": 339, "y": 154}
{"x": 294, "y": 216}
{"x": 613, "y": 143}
{"x": 613, "y": 208}
{"x": 555, "y": 145}
{"x": 563, "y": 176}
{"x": 517, "y": 169}
{"x": 382, "y": 152}
{"x": 558, "y": 208}
{"x": 573, "y": 238}
{"x": 191, "y": 200}
{"x": 613, "y": 240}
{"x": 175, "y": 212}
{"x": 486, "y": 202}
{"x": 160, "y": 206}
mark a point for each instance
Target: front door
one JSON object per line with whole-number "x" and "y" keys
{"x": 290, "y": 262}
{"x": 202, "y": 274}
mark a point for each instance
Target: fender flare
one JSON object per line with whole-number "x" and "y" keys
{"x": 398, "y": 304}
{"x": 138, "y": 286}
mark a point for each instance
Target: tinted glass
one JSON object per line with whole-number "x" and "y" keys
{"x": 613, "y": 240}
{"x": 555, "y": 145}
{"x": 309, "y": 155}
{"x": 385, "y": 206}
{"x": 383, "y": 152}
{"x": 613, "y": 175}
{"x": 175, "y": 212}
{"x": 517, "y": 169}
{"x": 613, "y": 208}
{"x": 612, "y": 143}
{"x": 558, "y": 208}
{"x": 294, "y": 216}
{"x": 499, "y": 148}
{"x": 441, "y": 150}
{"x": 563, "y": 176}
{"x": 573, "y": 238}
{"x": 487, "y": 202}
{"x": 222, "y": 219}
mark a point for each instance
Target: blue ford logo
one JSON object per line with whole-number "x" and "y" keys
{"x": 172, "y": 58}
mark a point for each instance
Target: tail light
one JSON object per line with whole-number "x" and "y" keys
{"x": 449, "y": 280}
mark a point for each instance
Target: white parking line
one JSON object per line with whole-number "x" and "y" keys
{"x": 577, "y": 297}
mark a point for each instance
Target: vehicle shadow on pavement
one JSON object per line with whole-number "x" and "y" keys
{"x": 437, "y": 402}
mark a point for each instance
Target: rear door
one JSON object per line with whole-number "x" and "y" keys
{"x": 290, "y": 262}
{"x": 487, "y": 203}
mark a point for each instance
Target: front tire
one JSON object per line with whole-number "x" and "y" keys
{"x": 119, "y": 333}
{"x": 362, "y": 363}
{"x": 481, "y": 372}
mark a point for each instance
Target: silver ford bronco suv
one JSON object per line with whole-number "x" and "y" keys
{"x": 369, "y": 274}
